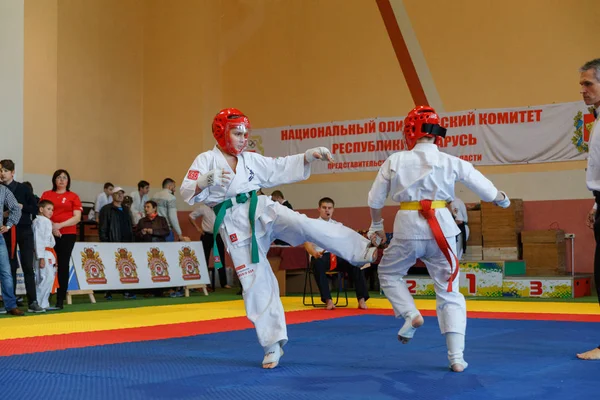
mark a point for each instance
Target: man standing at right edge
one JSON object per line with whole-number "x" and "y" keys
{"x": 590, "y": 90}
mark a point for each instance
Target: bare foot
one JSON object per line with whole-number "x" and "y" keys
{"x": 362, "y": 304}
{"x": 457, "y": 368}
{"x": 590, "y": 355}
{"x": 330, "y": 305}
{"x": 227, "y": 287}
{"x": 416, "y": 323}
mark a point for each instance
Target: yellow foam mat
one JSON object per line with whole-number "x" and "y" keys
{"x": 90, "y": 321}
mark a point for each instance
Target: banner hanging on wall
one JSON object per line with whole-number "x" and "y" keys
{"x": 548, "y": 133}
{"x": 114, "y": 266}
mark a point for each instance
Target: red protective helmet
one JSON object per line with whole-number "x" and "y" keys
{"x": 223, "y": 123}
{"x": 421, "y": 122}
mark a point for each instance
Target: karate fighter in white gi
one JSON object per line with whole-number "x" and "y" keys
{"x": 45, "y": 257}
{"x": 422, "y": 180}
{"x": 226, "y": 179}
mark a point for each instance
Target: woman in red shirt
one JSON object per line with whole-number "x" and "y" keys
{"x": 67, "y": 214}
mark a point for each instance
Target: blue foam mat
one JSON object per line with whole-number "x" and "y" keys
{"x": 346, "y": 358}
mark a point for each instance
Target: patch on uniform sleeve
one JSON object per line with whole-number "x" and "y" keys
{"x": 193, "y": 174}
{"x": 233, "y": 238}
{"x": 240, "y": 267}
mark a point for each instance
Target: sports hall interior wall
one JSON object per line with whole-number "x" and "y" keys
{"x": 123, "y": 90}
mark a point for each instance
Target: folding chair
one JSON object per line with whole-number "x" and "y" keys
{"x": 308, "y": 284}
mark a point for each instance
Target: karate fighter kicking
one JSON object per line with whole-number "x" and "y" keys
{"x": 422, "y": 180}
{"x": 226, "y": 179}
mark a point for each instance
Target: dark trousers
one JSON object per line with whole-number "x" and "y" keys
{"x": 207, "y": 245}
{"x": 63, "y": 248}
{"x": 321, "y": 266}
{"x": 25, "y": 243}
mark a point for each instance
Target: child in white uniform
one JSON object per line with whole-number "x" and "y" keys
{"x": 422, "y": 181}
{"x": 226, "y": 179}
{"x": 45, "y": 257}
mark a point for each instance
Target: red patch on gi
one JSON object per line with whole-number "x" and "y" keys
{"x": 233, "y": 238}
{"x": 193, "y": 174}
{"x": 240, "y": 267}
{"x": 217, "y": 259}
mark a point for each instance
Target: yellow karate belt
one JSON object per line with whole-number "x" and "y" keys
{"x": 416, "y": 206}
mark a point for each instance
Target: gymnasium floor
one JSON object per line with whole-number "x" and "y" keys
{"x": 201, "y": 348}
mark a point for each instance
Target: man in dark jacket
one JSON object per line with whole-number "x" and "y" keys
{"x": 114, "y": 225}
{"x": 115, "y": 220}
{"x": 21, "y": 234}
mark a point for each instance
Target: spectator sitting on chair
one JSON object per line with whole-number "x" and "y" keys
{"x": 115, "y": 226}
{"x": 153, "y": 227}
{"x": 208, "y": 240}
{"x": 323, "y": 261}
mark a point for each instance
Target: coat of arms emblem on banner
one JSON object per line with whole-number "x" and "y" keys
{"x": 583, "y": 124}
{"x": 126, "y": 266}
{"x": 92, "y": 265}
{"x": 159, "y": 268}
{"x": 188, "y": 262}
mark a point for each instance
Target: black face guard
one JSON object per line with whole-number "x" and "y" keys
{"x": 434, "y": 129}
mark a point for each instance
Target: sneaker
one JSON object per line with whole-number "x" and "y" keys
{"x": 108, "y": 297}
{"x": 176, "y": 294}
{"x": 19, "y": 301}
{"x": 129, "y": 296}
{"x": 3, "y": 311}
{"x": 35, "y": 308}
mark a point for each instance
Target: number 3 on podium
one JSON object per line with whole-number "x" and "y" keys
{"x": 535, "y": 288}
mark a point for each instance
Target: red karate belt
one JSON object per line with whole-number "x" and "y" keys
{"x": 55, "y": 284}
{"x": 427, "y": 210}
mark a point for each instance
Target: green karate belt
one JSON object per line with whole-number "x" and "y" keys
{"x": 220, "y": 210}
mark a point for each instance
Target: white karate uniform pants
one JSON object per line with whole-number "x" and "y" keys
{"x": 261, "y": 292}
{"x": 44, "y": 279}
{"x": 399, "y": 257}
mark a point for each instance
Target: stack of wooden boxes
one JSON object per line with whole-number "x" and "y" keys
{"x": 474, "y": 250}
{"x": 545, "y": 252}
{"x": 500, "y": 229}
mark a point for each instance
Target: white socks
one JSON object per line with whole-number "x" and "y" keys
{"x": 272, "y": 355}
{"x": 455, "y": 342}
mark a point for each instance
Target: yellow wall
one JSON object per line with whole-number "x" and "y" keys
{"x": 100, "y": 89}
{"x": 124, "y": 90}
{"x": 488, "y": 54}
{"x": 83, "y": 89}
{"x": 181, "y": 84}
{"x": 40, "y": 87}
